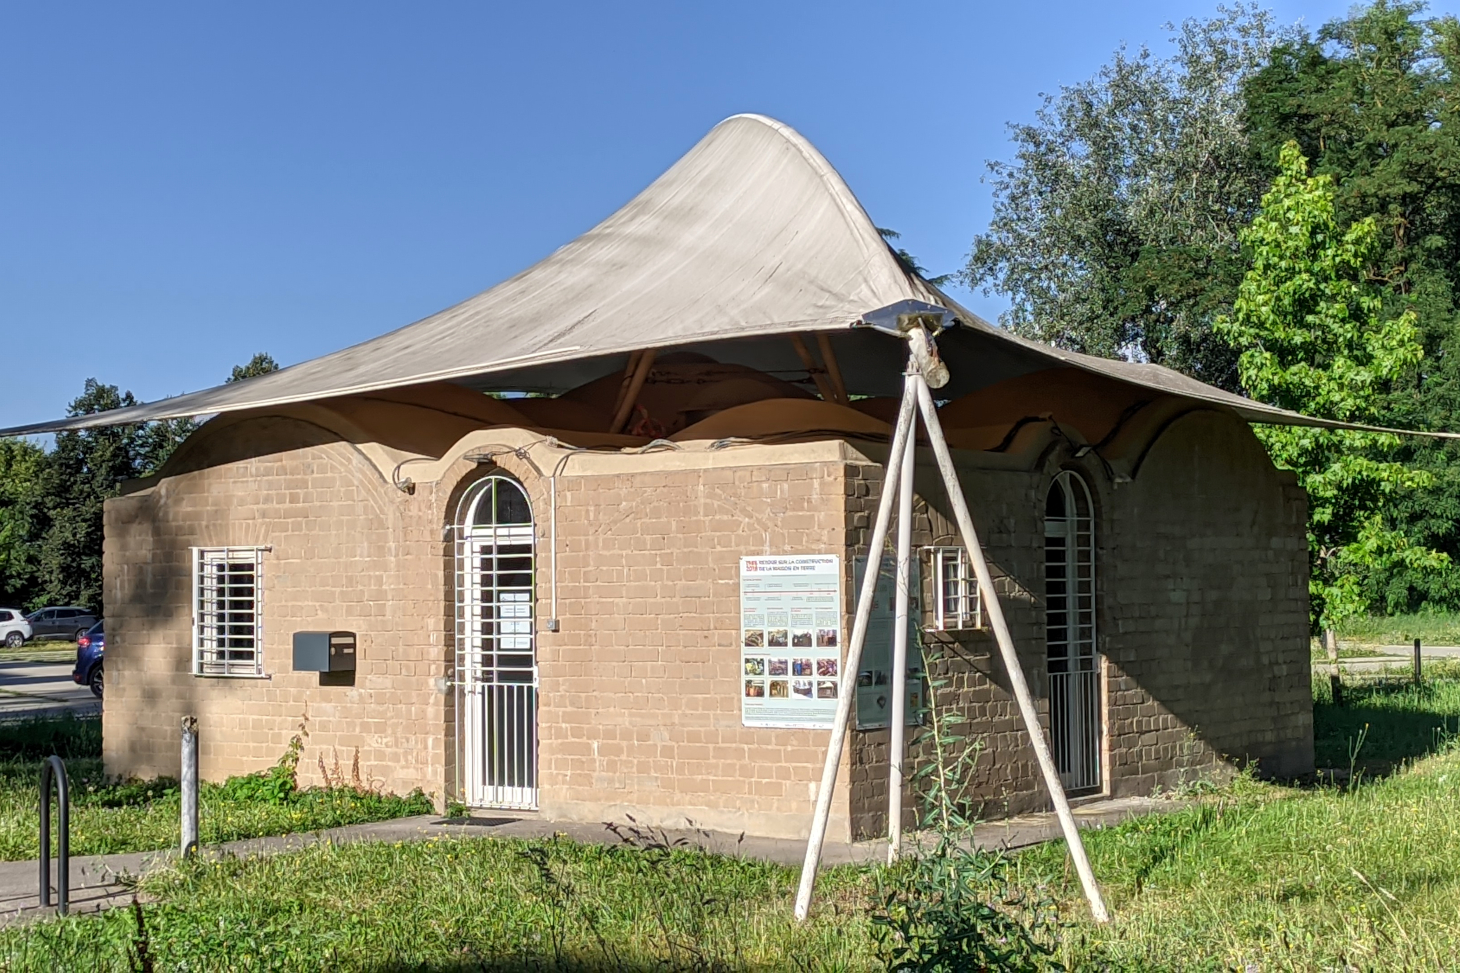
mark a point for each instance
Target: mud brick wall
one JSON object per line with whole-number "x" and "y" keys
{"x": 348, "y": 552}
{"x": 1202, "y": 616}
{"x": 641, "y": 709}
{"x": 1204, "y": 577}
{"x": 1201, "y": 601}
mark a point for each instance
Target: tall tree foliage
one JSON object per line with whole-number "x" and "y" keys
{"x": 260, "y": 364}
{"x": 1372, "y": 99}
{"x": 1115, "y": 228}
{"x": 51, "y": 503}
{"x": 1313, "y": 336}
{"x": 82, "y": 470}
{"x": 20, "y": 511}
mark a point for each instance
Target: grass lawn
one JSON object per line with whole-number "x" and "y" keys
{"x": 1432, "y": 629}
{"x": 50, "y": 651}
{"x": 111, "y": 817}
{"x": 1363, "y": 876}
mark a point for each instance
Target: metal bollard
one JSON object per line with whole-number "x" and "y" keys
{"x": 53, "y": 767}
{"x": 189, "y": 786}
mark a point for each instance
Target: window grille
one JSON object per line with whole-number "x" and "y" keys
{"x": 956, "y": 600}
{"x": 228, "y": 612}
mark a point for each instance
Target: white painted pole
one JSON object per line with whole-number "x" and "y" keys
{"x": 897, "y": 734}
{"x": 994, "y": 612}
{"x": 189, "y": 786}
{"x": 853, "y": 661}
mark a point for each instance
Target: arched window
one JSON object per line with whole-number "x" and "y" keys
{"x": 496, "y": 663}
{"x": 1069, "y": 618}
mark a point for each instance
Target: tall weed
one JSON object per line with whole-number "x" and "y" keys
{"x": 950, "y": 906}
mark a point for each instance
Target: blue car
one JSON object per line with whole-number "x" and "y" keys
{"x": 89, "y": 649}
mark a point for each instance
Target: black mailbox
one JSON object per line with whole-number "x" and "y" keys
{"x": 324, "y": 651}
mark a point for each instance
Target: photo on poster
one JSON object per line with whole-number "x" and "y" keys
{"x": 779, "y": 667}
{"x": 754, "y": 688}
{"x": 826, "y": 667}
{"x": 801, "y": 639}
{"x": 755, "y": 666}
{"x": 801, "y": 687}
{"x": 754, "y": 638}
{"x": 825, "y": 689}
{"x": 780, "y": 689}
{"x": 777, "y": 638}
{"x": 826, "y": 638}
{"x": 802, "y": 667}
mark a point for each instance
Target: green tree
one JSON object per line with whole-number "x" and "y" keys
{"x": 82, "y": 470}
{"x": 21, "y": 463}
{"x": 1313, "y": 336}
{"x": 911, "y": 262}
{"x": 260, "y": 364}
{"x": 1372, "y": 100}
{"x": 1115, "y": 228}
{"x": 58, "y": 546}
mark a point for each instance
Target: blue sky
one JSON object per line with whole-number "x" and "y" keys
{"x": 184, "y": 185}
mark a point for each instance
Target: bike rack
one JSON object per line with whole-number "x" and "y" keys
{"x": 55, "y": 768}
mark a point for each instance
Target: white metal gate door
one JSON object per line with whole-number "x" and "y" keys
{"x": 496, "y": 660}
{"x": 1075, "y": 716}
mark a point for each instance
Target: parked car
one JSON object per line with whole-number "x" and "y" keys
{"x": 68, "y": 623}
{"x": 89, "y": 650}
{"x": 15, "y": 630}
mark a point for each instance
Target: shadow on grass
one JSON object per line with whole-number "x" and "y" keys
{"x": 1383, "y": 725}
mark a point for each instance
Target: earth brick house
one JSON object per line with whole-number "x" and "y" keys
{"x": 586, "y": 601}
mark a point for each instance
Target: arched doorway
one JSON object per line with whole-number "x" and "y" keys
{"x": 1069, "y": 617}
{"x": 496, "y": 658}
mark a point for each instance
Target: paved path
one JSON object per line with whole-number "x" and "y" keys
{"x": 103, "y": 881}
{"x": 31, "y": 689}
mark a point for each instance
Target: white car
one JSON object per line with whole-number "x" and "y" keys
{"x": 14, "y": 629}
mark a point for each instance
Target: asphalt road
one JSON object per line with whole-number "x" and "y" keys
{"x": 41, "y": 688}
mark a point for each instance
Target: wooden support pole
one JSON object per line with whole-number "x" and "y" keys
{"x": 833, "y": 370}
{"x": 994, "y": 612}
{"x": 850, "y": 666}
{"x": 636, "y": 385}
{"x": 623, "y": 387}
{"x": 897, "y": 733}
{"x": 1418, "y": 678}
{"x": 818, "y": 374}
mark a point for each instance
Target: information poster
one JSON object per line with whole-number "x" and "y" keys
{"x": 874, "y": 679}
{"x": 790, "y": 640}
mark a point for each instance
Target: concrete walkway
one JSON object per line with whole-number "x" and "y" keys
{"x": 105, "y": 881}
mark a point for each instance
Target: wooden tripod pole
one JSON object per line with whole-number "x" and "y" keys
{"x": 995, "y": 614}
{"x": 897, "y": 731}
{"x": 853, "y": 661}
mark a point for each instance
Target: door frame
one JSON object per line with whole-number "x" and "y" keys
{"x": 495, "y": 769}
